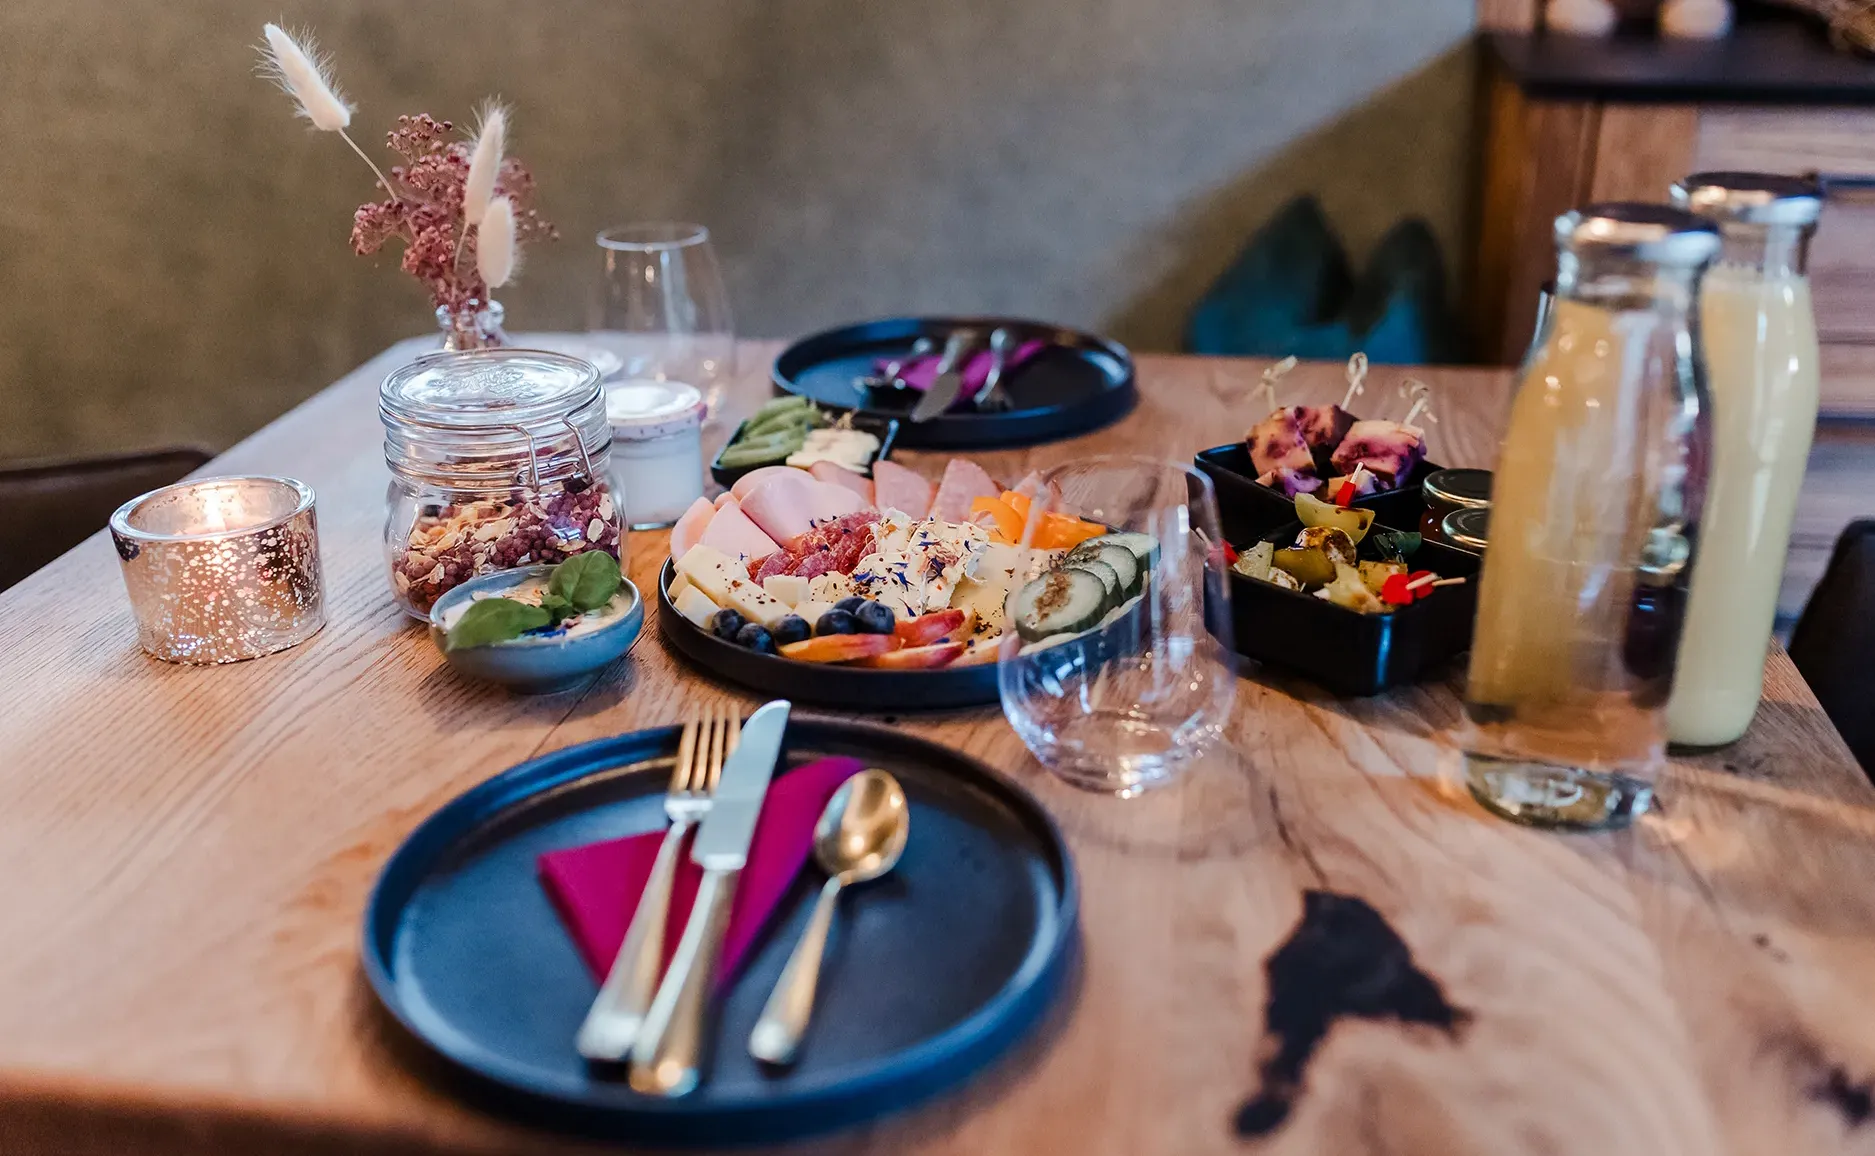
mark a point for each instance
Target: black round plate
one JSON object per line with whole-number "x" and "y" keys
{"x": 934, "y": 970}
{"x": 1079, "y": 384}
{"x": 823, "y": 684}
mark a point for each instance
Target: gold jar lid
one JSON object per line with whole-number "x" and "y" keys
{"x": 1468, "y": 529}
{"x": 1457, "y": 489}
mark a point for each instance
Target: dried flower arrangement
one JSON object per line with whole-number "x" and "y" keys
{"x": 462, "y": 208}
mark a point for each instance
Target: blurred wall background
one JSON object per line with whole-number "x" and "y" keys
{"x": 173, "y": 256}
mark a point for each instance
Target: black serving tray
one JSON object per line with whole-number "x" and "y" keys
{"x": 1347, "y": 652}
{"x": 936, "y": 970}
{"x": 1078, "y": 384}
{"x": 883, "y": 428}
{"x": 1250, "y": 509}
{"x": 823, "y": 684}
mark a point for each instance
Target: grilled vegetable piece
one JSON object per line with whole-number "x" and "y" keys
{"x": 1353, "y": 521}
{"x": 1059, "y": 602}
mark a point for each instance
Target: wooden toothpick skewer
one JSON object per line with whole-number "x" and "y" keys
{"x": 1421, "y": 393}
{"x": 1357, "y": 374}
{"x": 1271, "y": 376}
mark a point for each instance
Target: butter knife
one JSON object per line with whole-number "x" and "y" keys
{"x": 949, "y": 381}
{"x": 668, "y": 1053}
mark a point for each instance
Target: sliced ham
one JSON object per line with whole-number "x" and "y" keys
{"x": 733, "y": 532}
{"x": 787, "y": 505}
{"x": 723, "y": 499}
{"x": 964, "y": 482}
{"x": 836, "y": 475}
{"x": 746, "y": 484}
{"x": 689, "y": 529}
{"x": 896, "y": 488}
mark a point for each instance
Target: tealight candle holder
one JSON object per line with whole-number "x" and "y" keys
{"x": 222, "y": 569}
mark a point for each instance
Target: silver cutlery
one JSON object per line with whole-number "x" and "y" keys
{"x": 891, "y": 377}
{"x": 667, "y": 1055}
{"x": 995, "y": 399}
{"x": 949, "y": 381}
{"x": 612, "y": 1023}
{"x": 860, "y": 837}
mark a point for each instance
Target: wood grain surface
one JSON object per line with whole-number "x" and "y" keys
{"x": 186, "y": 853}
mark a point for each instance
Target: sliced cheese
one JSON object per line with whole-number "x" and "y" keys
{"x": 830, "y": 587}
{"x": 712, "y": 571}
{"x": 680, "y": 582}
{"x": 755, "y": 605}
{"x": 811, "y": 610}
{"x": 696, "y": 606}
{"x": 786, "y": 588}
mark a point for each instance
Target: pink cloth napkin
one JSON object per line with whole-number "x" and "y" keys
{"x": 595, "y": 888}
{"x": 921, "y": 373}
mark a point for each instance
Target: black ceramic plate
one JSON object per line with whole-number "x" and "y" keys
{"x": 885, "y": 429}
{"x": 1348, "y": 652}
{"x": 1249, "y": 509}
{"x": 823, "y": 684}
{"x": 962, "y": 947}
{"x": 1079, "y": 384}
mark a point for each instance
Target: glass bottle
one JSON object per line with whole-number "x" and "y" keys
{"x": 1759, "y": 336}
{"x": 499, "y": 458}
{"x": 1594, "y": 503}
{"x": 473, "y": 325}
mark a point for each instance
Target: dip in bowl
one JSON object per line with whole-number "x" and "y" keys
{"x": 545, "y": 660}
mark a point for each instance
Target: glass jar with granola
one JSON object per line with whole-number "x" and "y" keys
{"x": 499, "y": 458}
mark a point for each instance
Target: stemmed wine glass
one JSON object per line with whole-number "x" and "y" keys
{"x": 1140, "y": 690}
{"x": 662, "y": 308}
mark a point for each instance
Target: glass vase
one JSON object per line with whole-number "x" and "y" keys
{"x": 473, "y": 325}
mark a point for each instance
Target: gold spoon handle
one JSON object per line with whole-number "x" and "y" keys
{"x": 777, "y": 1035}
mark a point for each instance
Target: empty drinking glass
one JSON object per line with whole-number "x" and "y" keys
{"x": 662, "y": 308}
{"x": 1116, "y": 661}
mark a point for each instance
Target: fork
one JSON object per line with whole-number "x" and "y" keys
{"x": 612, "y": 1023}
{"x": 993, "y": 398}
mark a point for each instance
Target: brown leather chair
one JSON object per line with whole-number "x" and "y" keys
{"x": 47, "y": 508}
{"x": 1836, "y": 636}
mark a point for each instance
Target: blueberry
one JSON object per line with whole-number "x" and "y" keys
{"x": 725, "y": 623}
{"x": 836, "y": 622}
{"x": 850, "y": 605}
{"x": 753, "y": 636}
{"x": 875, "y": 618}
{"x": 793, "y": 628}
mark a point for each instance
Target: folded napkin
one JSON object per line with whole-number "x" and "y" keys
{"x": 595, "y": 888}
{"x": 919, "y": 374}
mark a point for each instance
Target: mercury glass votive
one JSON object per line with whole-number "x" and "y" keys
{"x": 222, "y": 569}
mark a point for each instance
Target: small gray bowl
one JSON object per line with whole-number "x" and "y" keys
{"x": 536, "y": 665}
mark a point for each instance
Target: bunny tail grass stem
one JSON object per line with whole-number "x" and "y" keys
{"x": 382, "y": 179}
{"x": 485, "y": 155}
{"x": 495, "y": 243}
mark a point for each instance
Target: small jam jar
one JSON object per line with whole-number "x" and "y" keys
{"x": 499, "y": 458}
{"x": 657, "y": 442}
{"x": 1467, "y": 529}
{"x": 1445, "y": 491}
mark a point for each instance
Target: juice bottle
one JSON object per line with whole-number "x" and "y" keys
{"x": 1759, "y": 335}
{"x": 1594, "y": 505}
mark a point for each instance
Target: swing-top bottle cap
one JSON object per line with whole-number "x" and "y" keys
{"x": 1658, "y": 233}
{"x": 1751, "y": 198}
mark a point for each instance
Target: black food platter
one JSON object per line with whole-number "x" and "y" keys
{"x": 1079, "y": 383}
{"x": 1347, "y": 652}
{"x": 1249, "y": 508}
{"x": 962, "y": 948}
{"x": 823, "y": 684}
{"x": 883, "y": 428}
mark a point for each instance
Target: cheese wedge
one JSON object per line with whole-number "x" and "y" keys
{"x": 756, "y": 605}
{"x": 830, "y": 587}
{"x": 812, "y": 610}
{"x": 786, "y": 588}
{"x": 696, "y": 606}
{"x": 712, "y": 571}
{"x": 680, "y": 582}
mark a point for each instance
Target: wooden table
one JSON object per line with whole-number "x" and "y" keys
{"x": 186, "y": 852}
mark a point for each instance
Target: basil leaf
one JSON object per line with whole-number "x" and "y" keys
{"x": 495, "y": 620}
{"x": 1391, "y": 544}
{"x": 587, "y": 580}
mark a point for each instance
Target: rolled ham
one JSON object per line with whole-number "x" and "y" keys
{"x": 732, "y": 531}
{"x": 838, "y": 475}
{"x": 964, "y": 482}
{"x": 746, "y": 484}
{"x": 689, "y": 529}
{"x": 789, "y": 504}
{"x": 896, "y": 488}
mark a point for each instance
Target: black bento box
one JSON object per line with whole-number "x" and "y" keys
{"x": 883, "y": 428}
{"x": 1347, "y": 652}
{"x": 1250, "y": 508}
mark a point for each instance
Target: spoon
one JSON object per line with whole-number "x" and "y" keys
{"x": 859, "y": 837}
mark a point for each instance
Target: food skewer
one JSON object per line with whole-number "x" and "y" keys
{"x": 1357, "y": 376}
{"x": 1271, "y": 376}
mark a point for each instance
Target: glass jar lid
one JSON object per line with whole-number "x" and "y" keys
{"x": 1458, "y": 488}
{"x": 1468, "y": 529}
{"x": 489, "y": 388}
{"x": 1751, "y": 198}
{"x": 1658, "y": 233}
{"x": 643, "y": 410}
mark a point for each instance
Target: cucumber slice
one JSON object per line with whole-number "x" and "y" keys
{"x": 1124, "y": 563}
{"x": 1144, "y": 547}
{"x": 1059, "y": 602}
{"x": 1109, "y": 577}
